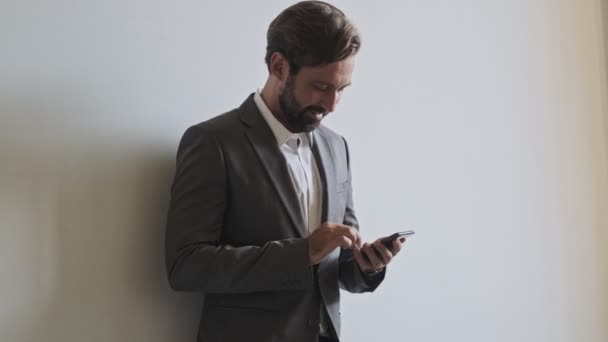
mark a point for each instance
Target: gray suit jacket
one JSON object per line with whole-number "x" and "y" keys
{"x": 235, "y": 232}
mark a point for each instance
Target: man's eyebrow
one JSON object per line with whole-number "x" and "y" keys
{"x": 331, "y": 85}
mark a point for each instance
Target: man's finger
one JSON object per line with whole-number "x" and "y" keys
{"x": 398, "y": 244}
{"x": 345, "y": 242}
{"x": 358, "y": 239}
{"x": 386, "y": 253}
{"x": 364, "y": 264}
{"x": 373, "y": 257}
{"x": 352, "y": 234}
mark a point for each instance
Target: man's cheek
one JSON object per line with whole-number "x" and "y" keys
{"x": 308, "y": 99}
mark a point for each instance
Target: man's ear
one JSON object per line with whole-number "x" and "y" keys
{"x": 279, "y": 67}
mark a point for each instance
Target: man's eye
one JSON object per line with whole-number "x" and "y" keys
{"x": 321, "y": 87}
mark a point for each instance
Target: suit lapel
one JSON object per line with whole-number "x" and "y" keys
{"x": 324, "y": 158}
{"x": 273, "y": 163}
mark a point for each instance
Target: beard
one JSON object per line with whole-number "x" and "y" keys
{"x": 300, "y": 119}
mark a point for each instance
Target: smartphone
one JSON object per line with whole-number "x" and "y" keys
{"x": 388, "y": 241}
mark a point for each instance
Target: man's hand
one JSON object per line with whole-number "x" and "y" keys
{"x": 376, "y": 261}
{"x": 328, "y": 237}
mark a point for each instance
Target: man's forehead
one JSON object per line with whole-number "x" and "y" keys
{"x": 340, "y": 71}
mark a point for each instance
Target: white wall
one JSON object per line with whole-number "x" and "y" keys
{"x": 482, "y": 124}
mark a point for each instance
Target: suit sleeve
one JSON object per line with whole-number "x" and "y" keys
{"x": 351, "y": 277}
{"x": 195, "y": 259}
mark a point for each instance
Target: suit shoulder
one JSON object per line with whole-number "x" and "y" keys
{"x": 331, "y": 135}
{"x": 220, "y": 128}
{"x": 219, "y": 124}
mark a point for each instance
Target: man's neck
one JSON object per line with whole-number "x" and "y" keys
{"x": 270, "y": 96}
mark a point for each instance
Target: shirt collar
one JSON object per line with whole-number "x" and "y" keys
{"x": 281, "y": 133}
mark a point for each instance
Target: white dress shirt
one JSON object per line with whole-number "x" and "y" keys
{"x": 297, "y": 149}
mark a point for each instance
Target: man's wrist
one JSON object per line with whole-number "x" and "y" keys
{"x": 374, "y": 272}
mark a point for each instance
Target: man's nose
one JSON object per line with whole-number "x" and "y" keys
{"x": 330, "y": 100}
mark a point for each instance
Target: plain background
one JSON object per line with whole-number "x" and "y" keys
{"x": 482, "y": 124}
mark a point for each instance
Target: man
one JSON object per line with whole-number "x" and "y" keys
{"x": 261, "y": 218}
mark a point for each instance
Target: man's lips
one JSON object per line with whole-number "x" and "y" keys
{"x": 317, "y": 116}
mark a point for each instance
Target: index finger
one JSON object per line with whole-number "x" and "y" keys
{"x": 351, "y": 233}
{"x": 398, "y": 244}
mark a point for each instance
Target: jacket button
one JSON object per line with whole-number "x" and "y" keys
{"x": 312, "y": 323}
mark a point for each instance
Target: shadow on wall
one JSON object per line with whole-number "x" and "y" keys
{"x": 83, "y": 203}
{"x": 604, "y": 4}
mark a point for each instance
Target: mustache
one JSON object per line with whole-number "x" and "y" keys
{"x": 314, "y": 109}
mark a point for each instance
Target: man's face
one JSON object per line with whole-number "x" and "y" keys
{"x": 312, "y": 93}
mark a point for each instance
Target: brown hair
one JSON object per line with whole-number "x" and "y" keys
{"x": 312, "y": 33}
